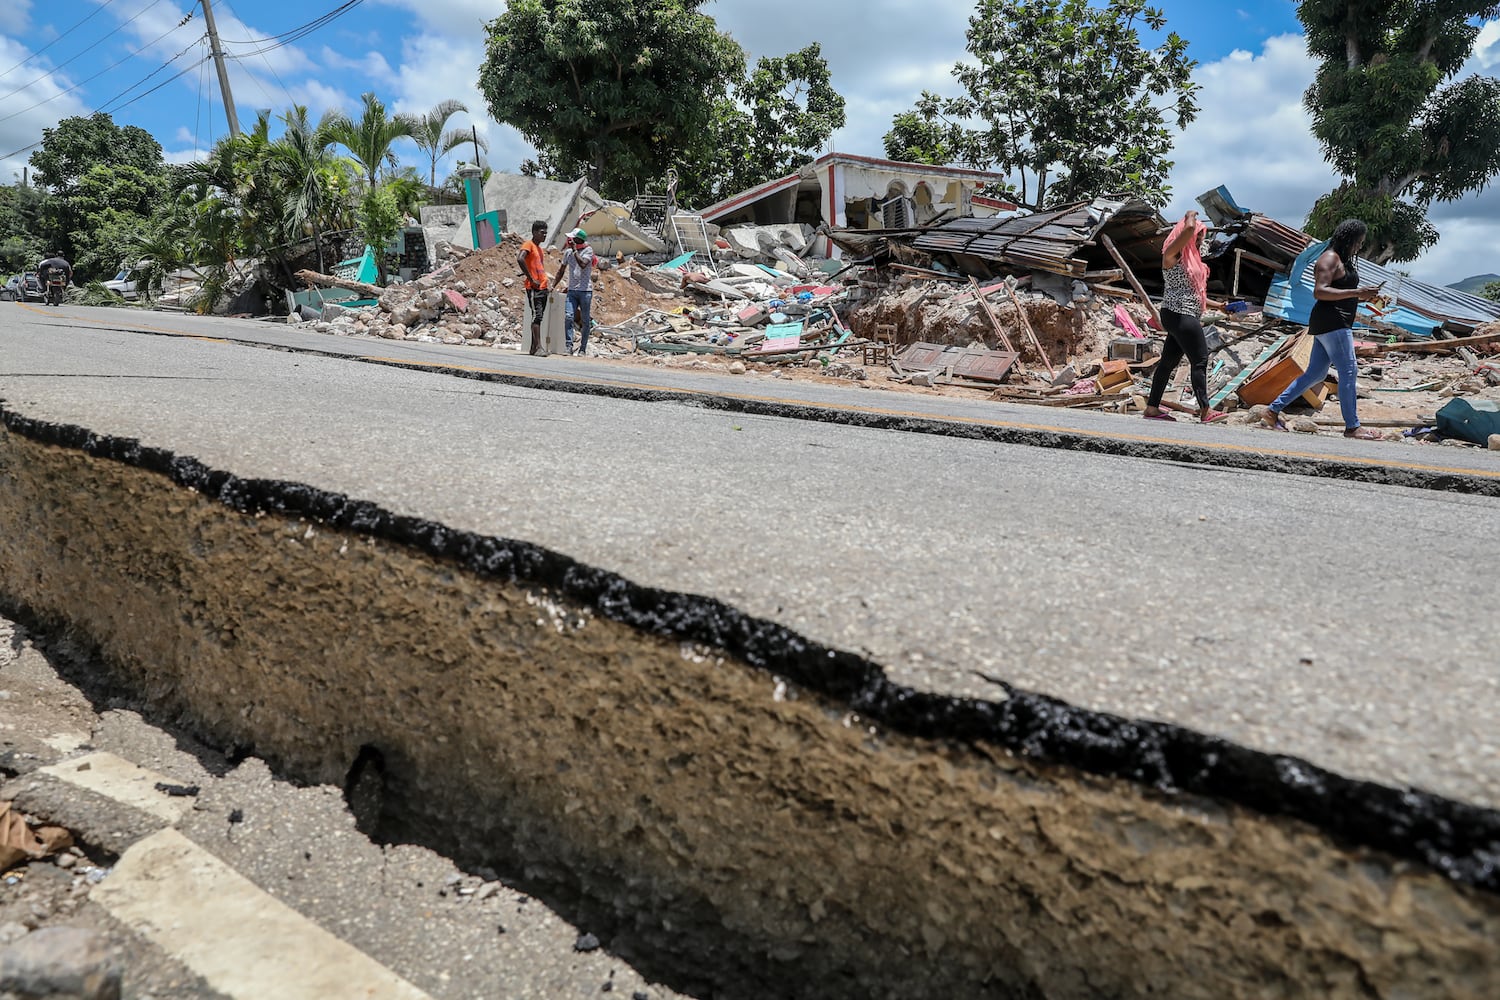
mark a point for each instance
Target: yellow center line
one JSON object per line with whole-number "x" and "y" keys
{"x": 1105, "y": 435}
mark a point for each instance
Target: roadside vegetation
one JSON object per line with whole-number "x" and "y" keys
{"x": 1067, "y": 98}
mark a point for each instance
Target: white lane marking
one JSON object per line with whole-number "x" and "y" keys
{"x": 241, "y": 940}
{"x": 119, "y": 779}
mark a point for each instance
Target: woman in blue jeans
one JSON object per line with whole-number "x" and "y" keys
{"x": 1338, "y": 294}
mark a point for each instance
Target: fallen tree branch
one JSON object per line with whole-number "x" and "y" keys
{"x": 333, "y": 281}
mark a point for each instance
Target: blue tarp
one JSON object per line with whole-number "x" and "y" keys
{"x": 1291, "y": 297}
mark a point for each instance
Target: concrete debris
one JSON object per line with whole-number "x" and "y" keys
{"x": 60, "y": 962}
{"x": 1066, "y": 294}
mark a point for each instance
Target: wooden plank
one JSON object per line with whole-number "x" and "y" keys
{"x": 1437, "y": 346}
{"x": 1030, "y": 332}
{"x": 984, "y": 366}
{"x": 1247, "y": 371}
{"x": 1114, "y": 252}
{"x": 994, "y": 321}
{"x": 921, "y": 356}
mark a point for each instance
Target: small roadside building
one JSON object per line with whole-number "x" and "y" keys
{"x": 861, "y": 192}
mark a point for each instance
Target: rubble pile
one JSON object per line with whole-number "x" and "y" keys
{"x": 1052, "y": 307}
{"x": 472, "y": 298}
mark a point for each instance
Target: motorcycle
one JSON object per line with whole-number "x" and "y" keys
{"x": 57, "y": 289}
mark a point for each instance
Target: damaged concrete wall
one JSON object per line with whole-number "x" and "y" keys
{"x": 525, "y": 200}
{"x": 720, "y": 816}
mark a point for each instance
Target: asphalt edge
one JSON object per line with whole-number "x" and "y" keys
{"x": 1459, "y": 840}
{"x": 1371, "y": 473}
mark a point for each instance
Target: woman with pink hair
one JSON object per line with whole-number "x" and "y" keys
{"x": 1183, "y": 302}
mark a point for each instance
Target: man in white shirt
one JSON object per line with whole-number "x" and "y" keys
{"x": 580, "y": 261}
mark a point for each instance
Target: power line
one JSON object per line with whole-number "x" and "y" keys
{"x": 59, "y": 38}
{"x": 180, "y": 73}
{"x": 298, "y": 33}
{"x": 106, "y": 105}
{"x": 279, "y": 81}
{"x": 106, "y": 69}
{"x": 100, "y": 41}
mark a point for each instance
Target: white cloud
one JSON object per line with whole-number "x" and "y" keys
{"x": 37, "y": 99}
{"x": 371, "y": 64}
{"x": 1252, "y": 135}
{"x": 453, "y": 19}
{"x": 430, "y": 72}
{"x": 320, "y": 99}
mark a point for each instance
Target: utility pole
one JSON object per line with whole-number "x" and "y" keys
{"x": 218, "y": 52}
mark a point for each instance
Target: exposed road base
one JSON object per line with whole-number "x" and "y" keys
{"x": 728, "y": 799}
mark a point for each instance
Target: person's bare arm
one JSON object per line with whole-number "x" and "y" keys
{"x": 1330, "y": 269}
{"x": 1174, "y": 247}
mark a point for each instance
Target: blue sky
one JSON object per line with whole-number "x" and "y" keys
{"x": 73, "y": 57}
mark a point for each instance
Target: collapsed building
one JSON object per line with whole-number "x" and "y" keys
{"x": 909, "y": 274}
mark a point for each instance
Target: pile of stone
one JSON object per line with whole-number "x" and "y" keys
{"x": 437, "y": 308}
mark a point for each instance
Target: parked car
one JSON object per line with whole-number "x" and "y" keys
{"x": 32, "y": 289}
{"x": 11, "y": 290}
{"x": 124, "y": 283}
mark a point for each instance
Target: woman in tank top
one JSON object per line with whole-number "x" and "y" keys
{"x": 1338, "y": 293}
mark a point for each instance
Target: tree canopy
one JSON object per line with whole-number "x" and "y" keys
{"x": 1065, "y": 95}
{"x": 1390, "y": 121}
{"x": 433, "y": 137}
{"x": 614, "y": 90}
{"x": 369, "y": 137}
{"x": 104, "y": 182}
{"x": 766, "y": 125}
{"x": 76, "y": 144}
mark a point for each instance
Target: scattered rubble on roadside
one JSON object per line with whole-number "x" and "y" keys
{"x": 1051, "y": 308}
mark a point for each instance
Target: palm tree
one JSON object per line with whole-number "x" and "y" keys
{"x": 300, "y": 159}
{"x": 408, "y": 190}
{"x": 432, "y": 140}
{"x": 369, "y": 138}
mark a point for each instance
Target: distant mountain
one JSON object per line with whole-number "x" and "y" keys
{"x": 1474, "y": 284}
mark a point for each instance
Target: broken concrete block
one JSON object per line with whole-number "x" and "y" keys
{"x": 456, "y": 300}
{"x": 751, "y": 316}
{"x": 1494, "y": 442}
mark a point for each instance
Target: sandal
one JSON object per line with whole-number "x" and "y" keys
{"x": 1212, "y": 416}
{"x": 1161, "y": 416}
{"x": 1363, "y": 434}
{"x": 1277, "y": 425}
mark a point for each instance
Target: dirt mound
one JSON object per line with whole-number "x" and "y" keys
{"x": 941, "y": 312}
{"x": 617, "y": 297}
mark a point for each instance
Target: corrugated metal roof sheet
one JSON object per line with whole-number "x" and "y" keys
{"x": 1051, "y": 240}
{"x": 1423, "y": 307}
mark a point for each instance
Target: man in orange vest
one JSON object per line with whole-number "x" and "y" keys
{"x": 534, "y": 270}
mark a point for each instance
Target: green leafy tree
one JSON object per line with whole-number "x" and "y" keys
{"x": 369, "y": 137}
{"x": 793, "y": 110}
{"x": 379, "y": 220}
{"x": 933, "y": 132}
{"x": 409, "y": 191}
{"x": 103, "y": 182}
{"x": 1390, "y": 121}
{"x": 434, "y": 142}
{"x": 1491, "y": 291}
{"x": 20, "y": 223}
{"x": 108, "y": 208}
{"x": 1066, "y": 96}
{"x": 301, "y": 161}
{"x": 766, "y": 126}
{"x": 615, "y": 91}
{"x": 76, "y": 144}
